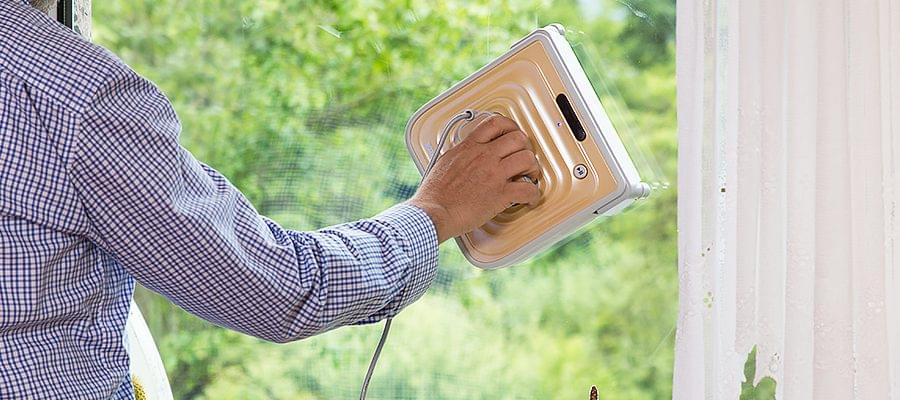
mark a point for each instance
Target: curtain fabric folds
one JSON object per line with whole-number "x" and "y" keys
{"x": 789, "y": 178}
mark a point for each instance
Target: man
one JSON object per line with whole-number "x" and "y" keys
{"x": 95, "y": 193}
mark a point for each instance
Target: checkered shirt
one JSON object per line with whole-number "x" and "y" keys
{"x": 96, "y": 192}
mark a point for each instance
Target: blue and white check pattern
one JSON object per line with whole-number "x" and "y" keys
{"x": 95, "y": 192}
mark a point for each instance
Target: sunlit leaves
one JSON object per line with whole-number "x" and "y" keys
{"x": 302, "y": 104}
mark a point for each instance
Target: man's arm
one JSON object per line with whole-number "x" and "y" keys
{"x": 181, "y": 229}
{"x": 184, "y": 231}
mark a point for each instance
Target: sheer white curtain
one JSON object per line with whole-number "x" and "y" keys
{"x": 789, "y": 178}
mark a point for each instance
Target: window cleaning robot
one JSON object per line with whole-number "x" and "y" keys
{"x": 586, "y": 171}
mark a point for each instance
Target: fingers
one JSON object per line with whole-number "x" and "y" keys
{"x": 493, "y": 127}
{"x": 522, "y": 162}
{"x": 509, "y": 143}
{"x": 518, "y": 192}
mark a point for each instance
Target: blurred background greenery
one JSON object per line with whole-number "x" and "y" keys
{"x": 302, "y": 104}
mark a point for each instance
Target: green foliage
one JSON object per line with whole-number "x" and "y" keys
{"x": 764, "y": 390}
{"x": 302, "y": 104}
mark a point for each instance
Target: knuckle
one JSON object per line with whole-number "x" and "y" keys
{"x": 512, "y": 166}
{"x": 520, "y": 138}
{"x": 526, "y": 157}
{"x": 529, "y": 189}
{"x": 491, "y": 122}
{"x": 529, "y": 193}
{"x": 513, "y": 190}
{"x": 498, "y": 122}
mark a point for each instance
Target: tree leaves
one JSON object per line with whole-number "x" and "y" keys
{"x": 309, "y": 125}
{"x": 750, "y": 390}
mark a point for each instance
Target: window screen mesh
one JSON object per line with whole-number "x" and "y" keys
{"x": 303, "y": 104}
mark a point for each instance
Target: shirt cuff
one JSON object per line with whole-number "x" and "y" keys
{"x": 420, "y": 243}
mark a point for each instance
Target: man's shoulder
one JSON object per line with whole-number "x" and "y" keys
{"x": 53, "y": 60}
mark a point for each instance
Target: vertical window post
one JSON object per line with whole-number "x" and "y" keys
{"x": 75, "y": 14}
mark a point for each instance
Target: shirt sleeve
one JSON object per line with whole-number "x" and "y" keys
{"x": 181, "y": 229}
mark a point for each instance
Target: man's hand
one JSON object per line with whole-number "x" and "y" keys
{"x": 479, "y": 178}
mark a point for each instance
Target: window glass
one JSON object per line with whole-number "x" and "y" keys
{"x": 303, "y": 105}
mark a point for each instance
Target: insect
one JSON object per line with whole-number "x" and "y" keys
{"x": 594, "y": 394}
